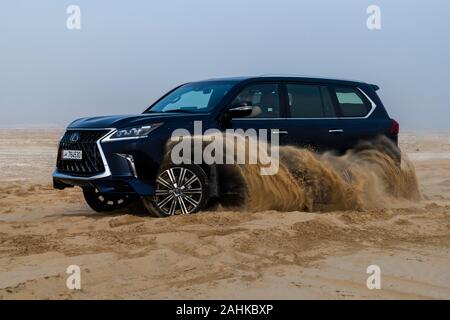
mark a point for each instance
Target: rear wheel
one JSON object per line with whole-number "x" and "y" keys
{"x": 180, "y": 189}
{"x": 103, "y": 203}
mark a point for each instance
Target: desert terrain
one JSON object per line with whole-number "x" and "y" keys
{"x": 222, "y": 254}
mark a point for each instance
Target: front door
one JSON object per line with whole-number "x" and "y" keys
{"x": 267, "y": 112}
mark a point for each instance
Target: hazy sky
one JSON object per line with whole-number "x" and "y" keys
{"x": 128, "y": 53}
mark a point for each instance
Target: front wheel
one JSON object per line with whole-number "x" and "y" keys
{"x": 180, "y": 189}
{"x": 104, "y": 203}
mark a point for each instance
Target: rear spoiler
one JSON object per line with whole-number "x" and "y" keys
{"x": 375, "y": 87}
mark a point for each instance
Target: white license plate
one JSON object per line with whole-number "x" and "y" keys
{"x": 72, "y": 155}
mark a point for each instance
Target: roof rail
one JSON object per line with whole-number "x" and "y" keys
{"x": 306, "y": 76}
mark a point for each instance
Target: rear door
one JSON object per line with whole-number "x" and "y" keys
{"x": 312, "y": 117}
{"x": 358, "y": 119}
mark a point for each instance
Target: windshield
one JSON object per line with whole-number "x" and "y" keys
{"x": 193, "y": 97}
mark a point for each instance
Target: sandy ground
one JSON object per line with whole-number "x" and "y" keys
{"x": 218, "y": 255}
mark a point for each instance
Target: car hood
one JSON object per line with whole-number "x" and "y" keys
{"x": 124, "y": 121}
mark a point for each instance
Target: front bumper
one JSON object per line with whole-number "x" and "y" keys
{"x": 108, "y": 185}
{"x": 130, "y": 167}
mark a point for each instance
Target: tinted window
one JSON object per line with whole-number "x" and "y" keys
{"x": 264, "y": 99}
{"x": 309, "y": 101}
{"x": 351, "y": 102}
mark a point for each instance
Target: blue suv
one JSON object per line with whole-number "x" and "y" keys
{"x": 119, "y": 159}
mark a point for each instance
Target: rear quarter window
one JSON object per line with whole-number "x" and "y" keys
{"x": 351, "y": 102}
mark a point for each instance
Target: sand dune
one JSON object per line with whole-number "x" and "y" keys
{"x": 221, "y": 254}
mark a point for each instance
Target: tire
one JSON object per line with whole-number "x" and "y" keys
{"x": 180, "y": 189}
{"x": 104, "y": 203}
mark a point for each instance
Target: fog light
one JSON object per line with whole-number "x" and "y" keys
{"x": 130, "y": 160}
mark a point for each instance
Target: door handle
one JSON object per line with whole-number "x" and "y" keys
{"x": 335, "y": 131}
{"x": 280, "y": 132}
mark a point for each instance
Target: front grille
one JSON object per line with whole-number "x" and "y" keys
{"x": 91, "y": 163}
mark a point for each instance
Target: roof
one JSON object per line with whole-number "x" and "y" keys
{"x": 287, "y": 77}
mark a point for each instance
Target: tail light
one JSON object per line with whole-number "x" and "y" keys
{"x": 395, "y": 127}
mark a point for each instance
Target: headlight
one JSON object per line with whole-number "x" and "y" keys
{"x": 134, "y": 133}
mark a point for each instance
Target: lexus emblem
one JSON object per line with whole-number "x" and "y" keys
{"x": 74, "y": 137}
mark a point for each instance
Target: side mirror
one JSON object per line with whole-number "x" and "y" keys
{"x": 243, "y": 109}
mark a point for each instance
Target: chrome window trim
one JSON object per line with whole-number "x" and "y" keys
{"x": 373, "y": 107}
{"x": 106, "y": 173}
{"x": 371, "y": 103}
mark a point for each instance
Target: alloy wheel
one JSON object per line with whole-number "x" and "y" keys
{"x": 178, "y": 190}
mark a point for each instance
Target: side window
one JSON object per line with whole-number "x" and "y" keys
{"x": 351, "y": 102}
{"x": 264, "y": 99}
{"x": 309, "y": 101}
